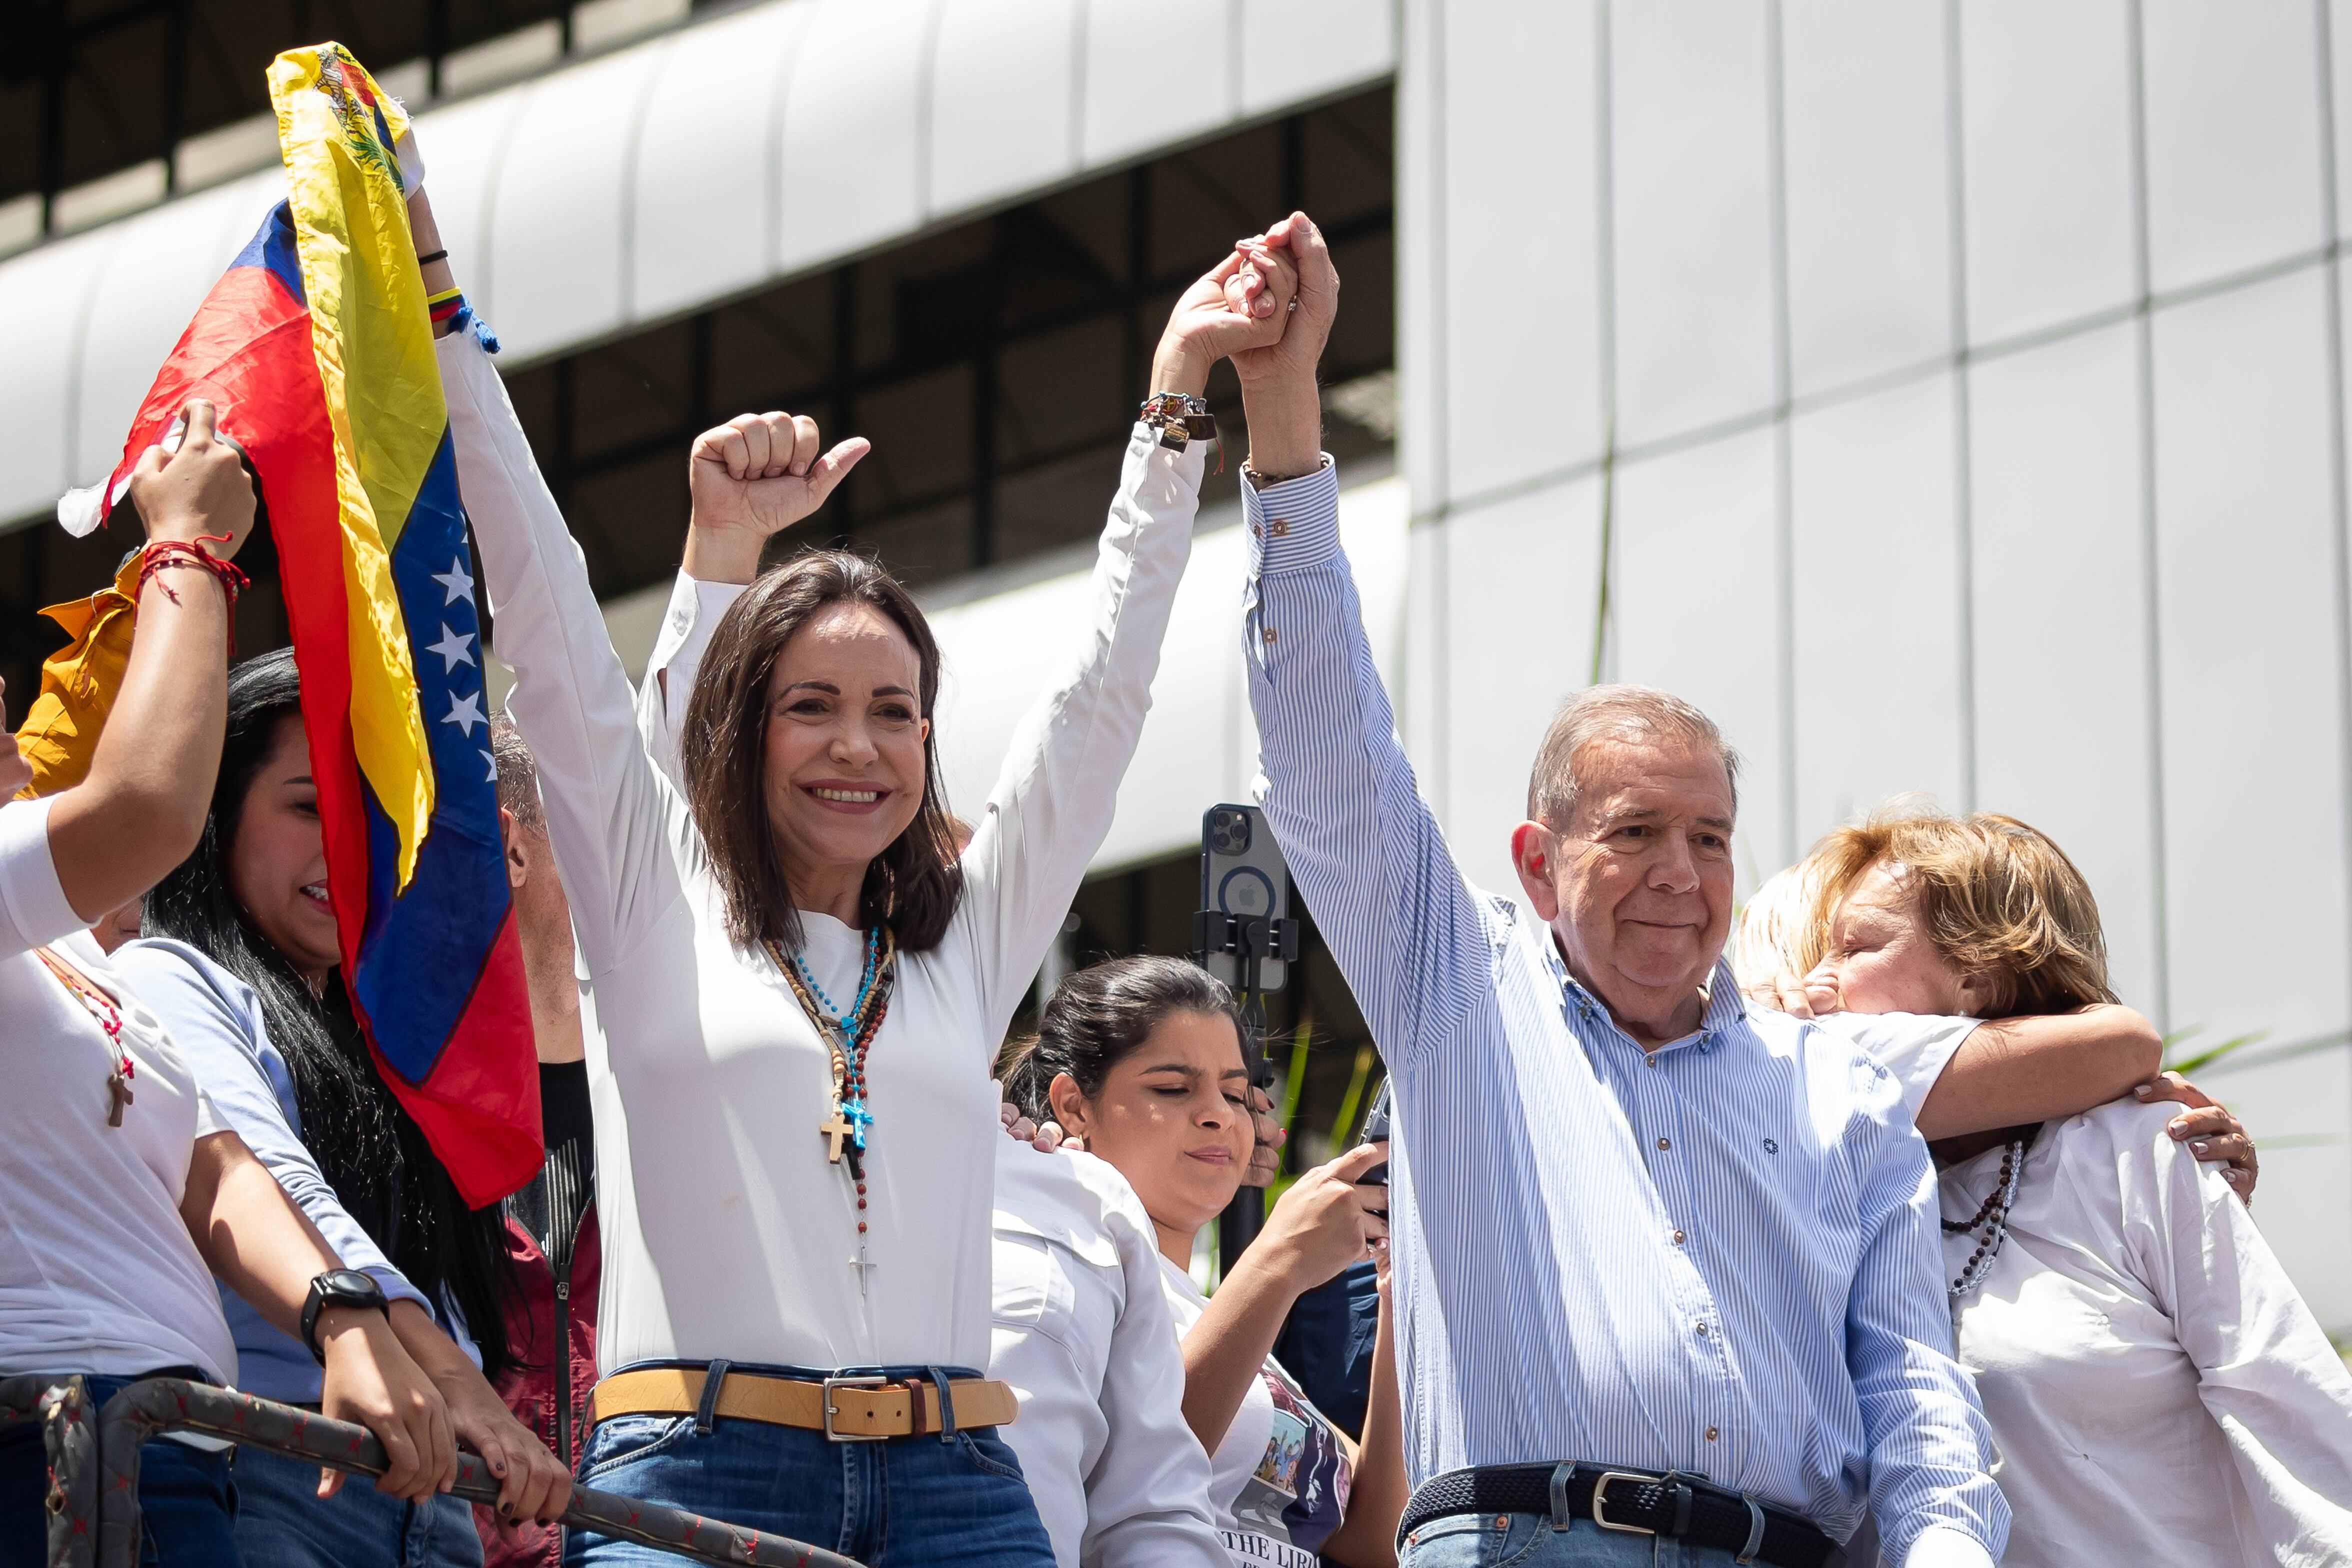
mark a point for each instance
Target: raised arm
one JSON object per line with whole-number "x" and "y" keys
{"x": 1936, "y": 1505}
{"x": 1363, "y": 847}
{"x": 140, "y": 809}
{"x": 2011, "y": 1072}
{"x": 609, "y": 811}
{"x": 1054, "y": 797}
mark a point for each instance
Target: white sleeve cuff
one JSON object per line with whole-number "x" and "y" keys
{"x": 694, "y": 609}
{"x": 32, "y": 900}
{"x": 1943, "y": 1546}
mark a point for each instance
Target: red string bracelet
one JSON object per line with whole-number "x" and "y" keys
{"x": 164, "y": 555}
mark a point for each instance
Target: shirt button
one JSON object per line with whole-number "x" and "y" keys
{"x": 1269, "y": 633}
{"x": 1281, "y": 526}
{"x": 1678, "y": 1238}
{"x": 1654, "y": 1064}
{"x": 1712, "y": 1434}
{"x": 1702, "y": 1331}
{"x": 1665, "y": 1142}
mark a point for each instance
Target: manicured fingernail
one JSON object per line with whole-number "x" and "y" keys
{"x": 2141, "y": 1090}
{"x": 2198, "y": 1148}
{"x": 2177, "y": 1127}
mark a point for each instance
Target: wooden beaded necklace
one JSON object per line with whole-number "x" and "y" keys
{"x": 1993, "y": 1215}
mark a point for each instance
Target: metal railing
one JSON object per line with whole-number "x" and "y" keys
{"x": 93, "y": 1500}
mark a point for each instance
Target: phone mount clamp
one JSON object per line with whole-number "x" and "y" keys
{"x": 1252, "y": 939}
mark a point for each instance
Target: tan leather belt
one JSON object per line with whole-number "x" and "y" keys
{"x": 846, "y": 1409}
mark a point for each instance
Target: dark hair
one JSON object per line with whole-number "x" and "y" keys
{"x": 370, "y": 1151}
{"x": 1099, "y": 1015}
{"x": 915, "y": 883}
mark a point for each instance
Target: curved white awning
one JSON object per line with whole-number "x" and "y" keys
{"x": 634, "y": 186}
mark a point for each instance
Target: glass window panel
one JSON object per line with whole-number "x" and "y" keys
{"x": 1693, "y": 610}
{"x": 1869, "y": 204}
{"x": 1876, "y": 566}
{"x": 2046, "y": 94}
{"x": 2232, "y": 137}
{"x": 2253, "y": 745}
{"x": 2061, "y": 642}
{"x": 1512, "y": 653}
{"x": 1693, "y": 271}
{"x": 1523, "y": 312}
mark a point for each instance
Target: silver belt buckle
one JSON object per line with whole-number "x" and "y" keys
{"x": 831, "y": 1410}
{"x": 1600, "y": 1498}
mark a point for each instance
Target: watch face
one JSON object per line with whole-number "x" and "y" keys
{"x": 348, "y": 1285}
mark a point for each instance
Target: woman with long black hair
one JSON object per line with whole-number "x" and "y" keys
{"x": 241, "y": 959}
{"x": 122, "y": 1190}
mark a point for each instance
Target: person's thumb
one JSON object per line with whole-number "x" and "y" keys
{"x": 831, "y": 469}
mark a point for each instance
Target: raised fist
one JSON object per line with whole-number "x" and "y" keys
{"x": 760, "y": 473}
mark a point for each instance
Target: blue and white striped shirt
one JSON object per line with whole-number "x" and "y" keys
{"x": 1719, "y": 1258}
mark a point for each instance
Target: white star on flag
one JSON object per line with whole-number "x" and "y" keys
{"x": 491, "y": 762}
{"x": 465, "y": 712}
{"x": 456, "y": 648}
{"x": 454, "y": 579}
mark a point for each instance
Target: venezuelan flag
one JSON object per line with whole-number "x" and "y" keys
{"x": 316, "y": 350}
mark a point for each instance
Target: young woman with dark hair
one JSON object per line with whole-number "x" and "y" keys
{"x": 802, "y": 984}
{"x": 241, "y": 961}
{"x": 1139, "y": 1059}
{"x": 124, "y": 1191}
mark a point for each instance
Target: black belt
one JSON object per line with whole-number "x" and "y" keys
{"x": 1633, "y": 1500}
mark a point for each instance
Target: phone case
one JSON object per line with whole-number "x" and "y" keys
{"x": 1242, "y": 874}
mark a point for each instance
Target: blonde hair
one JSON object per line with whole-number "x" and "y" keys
{"x": 1998, "y": 898}
{"x": 1775, "y": 933}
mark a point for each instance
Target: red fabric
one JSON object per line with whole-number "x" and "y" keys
{"x": 530, "y": 1390}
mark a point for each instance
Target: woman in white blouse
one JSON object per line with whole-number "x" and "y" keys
{"x": 801, "y": 985}
{"x": 2158, "y": 1393}
{"x": 122, "y": 1192}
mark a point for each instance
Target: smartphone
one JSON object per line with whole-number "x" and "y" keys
{"x": 1242, "y": 874}
{"x": 1376, "y": 1130}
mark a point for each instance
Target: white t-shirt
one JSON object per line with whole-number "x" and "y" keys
{"x": 1281, "y": 1475}
{"x": 2158, "y": 1393}
{"x": 98, "y": 1273}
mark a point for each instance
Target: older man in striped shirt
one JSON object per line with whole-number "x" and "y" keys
{"x": 1668, "y": 1271}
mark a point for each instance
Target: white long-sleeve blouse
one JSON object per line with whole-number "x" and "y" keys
{"x": 2159, "y": 1395}
{"x": 727, "y": 1231}
{"x": 1083, "y": 1334}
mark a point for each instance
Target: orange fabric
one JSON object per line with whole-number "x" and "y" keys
{"x": 79, "y": 683}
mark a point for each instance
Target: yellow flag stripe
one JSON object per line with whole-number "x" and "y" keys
{"x": 373, "y": 341}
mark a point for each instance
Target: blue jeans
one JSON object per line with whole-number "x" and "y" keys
{"x": 1529, "y": 1541}
{"x": 282, "y": 1523}
{"x": 185, "y": 1500}
{"x": 906, "y": 1503}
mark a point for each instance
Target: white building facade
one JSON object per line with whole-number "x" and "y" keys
{"x": 1947, "y": 398}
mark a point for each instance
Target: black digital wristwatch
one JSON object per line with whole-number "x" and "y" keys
{"x": 339, "y": 1287}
